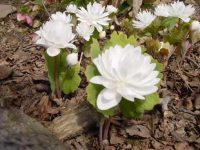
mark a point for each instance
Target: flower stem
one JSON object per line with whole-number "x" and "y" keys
{"x": 101, "y": 133}
{"x": 104, "y": 131}
{"x": 56, "y": 77}
{"x": 106, "y": 128}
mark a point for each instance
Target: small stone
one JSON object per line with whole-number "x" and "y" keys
{"x": 5, "y": 70}
{"x": 42, "y": 88}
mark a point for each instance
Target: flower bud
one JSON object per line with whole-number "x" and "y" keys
{"x": 195, "y": 25}
{"x": 72, "y": 59}
{"x": 102, "y": 34}
{"x": 112, "y": 27}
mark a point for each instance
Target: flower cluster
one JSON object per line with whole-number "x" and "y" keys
{"x": 176, "y": 9}
{"x": 57, "y": 33}
{"x": 94, "y": 16}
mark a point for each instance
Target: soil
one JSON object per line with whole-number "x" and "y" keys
{"x": 173, "y": 125}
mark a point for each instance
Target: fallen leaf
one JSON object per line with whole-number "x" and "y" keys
{"x": 138, "y": 130}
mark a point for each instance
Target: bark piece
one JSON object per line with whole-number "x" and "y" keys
{"x": 19, "y": 131}
{"x": 5, "y": 10}
{"x": 74, "y": 121}
{"x": 197, "y": 102}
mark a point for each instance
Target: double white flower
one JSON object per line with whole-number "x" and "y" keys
{"x": 124, "y": 72}
{"x": 143, "y": 19}
{"x": 56, "y": 34}
{"x": 84, "y": 30}
{"x": 95, "y": 15}
{"x": 59, "y": 16}
{"x": 176, "y": 9}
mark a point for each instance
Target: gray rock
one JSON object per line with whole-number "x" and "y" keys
{"x": 20, "y": 132}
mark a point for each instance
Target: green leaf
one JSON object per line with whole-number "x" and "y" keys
{"x": 91, "y": 71}
{"x": 50, "y": 64}
{"x": 62, "y": 61}
{"x": 95, "y": 48}
{"x": 93, "y": 91}
{"x": 169, "y": 22}
{"x": 86, "y": 48}
{"x": 38, "y": 2}
{"x": 154, "y": 27}
{"x": 127, "y": 26}
{"x": 137, "y": 108}
{"x": 71, "y": 84}
{"x": 177, "y": 35}
{"x": 120, "y": 39}
{"x": 71, "y": 79}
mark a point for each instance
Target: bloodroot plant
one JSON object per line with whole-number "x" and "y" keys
{"x": 58, "y": 37}
{"x": 63, "y": 68}
{"x": 122, "y": 78}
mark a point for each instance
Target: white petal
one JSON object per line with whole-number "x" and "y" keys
{"x": 108, "y": 99}
{"x": 69, "y": 45}
{"x": 52, "y": 51}
{"x": 102, "y": 81}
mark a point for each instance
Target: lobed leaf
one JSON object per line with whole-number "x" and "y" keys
{"x": 138, "y": 107}
{"x": 91, "y": 71}
{"x": 95, "y": 48}
{"x": 120, "y": 39}
{"x": 71, "y": 79}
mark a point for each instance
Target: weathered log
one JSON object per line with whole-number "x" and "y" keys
{"x": 74, "y": 121}
{"x": 18, "y": 131}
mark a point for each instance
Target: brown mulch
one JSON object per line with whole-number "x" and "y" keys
{"x": 174, "y": 125}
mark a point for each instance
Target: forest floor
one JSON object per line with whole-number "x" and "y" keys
{"x": 24, "y": 84}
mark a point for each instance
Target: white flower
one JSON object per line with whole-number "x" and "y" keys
{"x": 195, "y": 26}
{"x": 180, "y": 10}
{"x": 71, "y": 8}
{"x": 55, "y": 35}
{"x": 72, "y": 59}
{"x": 102, "y": 34}
{"x": 84, "y": 30}
{"x": 95, "y": 15}
{"x": 143, "y": 19}
{"x": 111, "y": 9}
{"x": 162, "y": 10}
{"x": 124, "y": 72}
{"x": 59, "y": 16}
